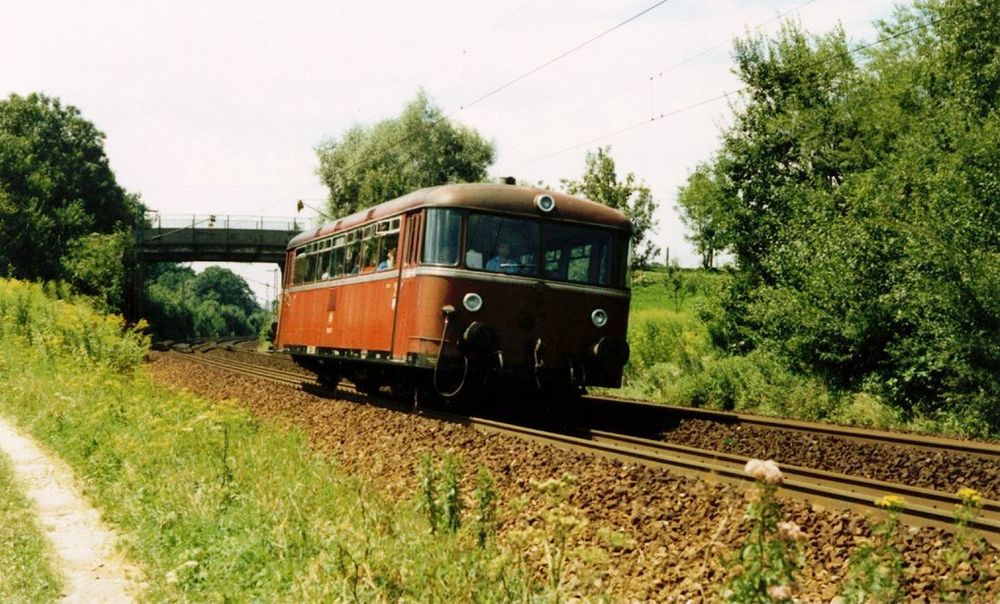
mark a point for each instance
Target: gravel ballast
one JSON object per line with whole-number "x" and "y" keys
{"x": 679, "y": 528}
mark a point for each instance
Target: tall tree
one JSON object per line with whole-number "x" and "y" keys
{"x": 600, "y": 183}
{"x": 56, "y": 187}
{"x": 371, "y": 164}
{"x": 860, "y": 201}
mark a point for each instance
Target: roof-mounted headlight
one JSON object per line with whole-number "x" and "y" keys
{"x": 545, "y": 202}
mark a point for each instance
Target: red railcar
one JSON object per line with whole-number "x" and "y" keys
{"x": 462, "y": 284}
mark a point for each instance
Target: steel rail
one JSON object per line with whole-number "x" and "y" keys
{"x": 924, "y": 507}
{"x": 670, "y": 414}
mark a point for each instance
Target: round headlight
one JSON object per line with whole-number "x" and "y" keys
{"x": 545, "y": 202}
{"x": 472, "y": 302}
{"x": 599, "y": 317}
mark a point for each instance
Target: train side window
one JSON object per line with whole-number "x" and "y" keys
{"x": 387, "y": 233}
{"x": 324, "y": 265}
{"x": 369, "y": 249}
{"x": 299, "y": 272}
{"x": 352, "y": 253}
{"x": 442, "y": 230}
{"x": 337, "y": 257}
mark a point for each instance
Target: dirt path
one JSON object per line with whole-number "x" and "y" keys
{"x": 83, "y": 546}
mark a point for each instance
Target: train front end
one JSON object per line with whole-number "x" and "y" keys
{"x": 518, "y": 284}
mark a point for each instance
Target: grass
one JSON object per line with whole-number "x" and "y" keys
{"x": 215, "y": 506}
{"x": 26, "y": 572}
{"x": 674, "y": 362}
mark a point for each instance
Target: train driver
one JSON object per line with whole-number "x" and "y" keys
{"x": 502, "y": 262}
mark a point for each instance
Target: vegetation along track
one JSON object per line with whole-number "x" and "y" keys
{"x": 924, "y": 507}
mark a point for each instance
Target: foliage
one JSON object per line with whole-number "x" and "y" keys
{"x": 875, "y": 570}
{"x": 98, "y": 264}
{"x": 965, "y": 574}
{"x": 634, "y": 199}
{"x": 420, "y": 148}
{"x": 58, "y": 327}
{"x": 764, "y": 567}
{"x": 56, "y": 190}
{"x": 857, "y": 198}
{"x": 27, "y": 574}
{"x": 548, "y": 530}
{"x": 700, "y": 205}
{"x": 214, "y": 303}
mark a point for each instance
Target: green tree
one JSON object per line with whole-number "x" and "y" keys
{"x": 633, "y": 198}
{"x": 225, "y": 287}
{"x": 214, "y": 303}
{"x": 860, "y": 202}
{"x": 699, "y": 204}
{"x": 56, "y": 187}
{"x": 371, "y": 164}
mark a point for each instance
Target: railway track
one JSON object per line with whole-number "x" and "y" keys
{"x": 924, "y": 507}
{"x": 659, "y": 417}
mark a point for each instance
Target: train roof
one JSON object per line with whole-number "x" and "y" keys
{"x": 489, "y": 197}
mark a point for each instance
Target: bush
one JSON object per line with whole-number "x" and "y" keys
{"x": 59, "y": 326}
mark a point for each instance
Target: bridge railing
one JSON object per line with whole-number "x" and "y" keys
{"x": 223, "y": 221}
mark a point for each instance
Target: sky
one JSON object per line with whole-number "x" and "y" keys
{"x": 217, "y": 107}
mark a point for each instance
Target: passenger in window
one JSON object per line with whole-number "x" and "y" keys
{"x": 503, "y": 262}
{"x": 389, "y": 262}
{"x": 473, "y": 259}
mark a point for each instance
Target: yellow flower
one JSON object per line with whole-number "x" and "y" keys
{"x": 969, "y": 495}
{"x": 890, "y": 502}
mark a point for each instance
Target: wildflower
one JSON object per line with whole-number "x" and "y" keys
{"x": 790, "y": 532}
{"x": 779, "y": 592}
{"x": 969, "y": 496}
{"x": 766, "y": 471}
{"x": 890, "y": 502}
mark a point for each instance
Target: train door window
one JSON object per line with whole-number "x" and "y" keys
{"x": 578, "y": 254}
{"x": 502, "y": 245}
{"x": 411, "y": 243}
{"x": 442, "y": 231}
{"x": 388, "y": 237}
{"x": 337, "y": 257}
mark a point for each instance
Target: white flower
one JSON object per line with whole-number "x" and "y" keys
{"x": 789, "y": 531}
{"x": 766, "y": 471}
{"x": 779, "y": 592}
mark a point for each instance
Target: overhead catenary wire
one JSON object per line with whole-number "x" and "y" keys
{"x": 360, "y": 161}
{"x": 664, "y": 115}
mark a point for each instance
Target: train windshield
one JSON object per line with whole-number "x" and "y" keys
{"x": 552, "y": 250}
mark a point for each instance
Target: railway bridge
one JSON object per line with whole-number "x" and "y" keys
{"x": 209, "y": 238}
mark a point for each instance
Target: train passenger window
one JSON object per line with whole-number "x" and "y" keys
{"x": 502, "y": 245}
{"x": 369, "y": 249}
{"x": 337, "y": 258}
{"x": 324, "y": 265}
{"x": 299, "y": 272}
{"x": 388, "y": 252}
{"x": 311, "y": 267}
{"x": 442, "y": 231}
{"x": 352, "y": 254}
